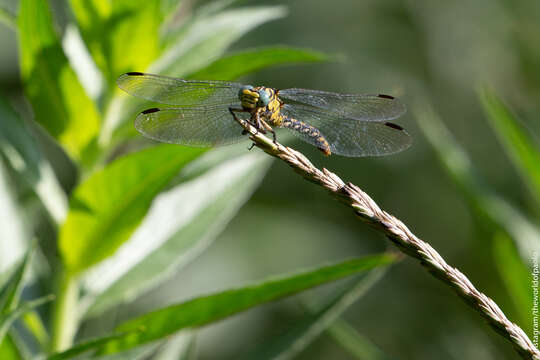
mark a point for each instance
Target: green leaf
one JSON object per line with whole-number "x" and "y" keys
{"x": 10, "y": 294}
{"x": 121, "y": 35}
{"x": 247, "y": 61}
{"x": 294, "y": 341}
{"x": 482, "y": 198}
{"x": 206, "y": 309}
{"x": 86, "y": 346}
{"x": 9, "y": 350}
{"x": 59, "y": 102}
{"x": 141, "y": 352}
{"x": 110, "y": 204}
{"x": 166, "y": 241}
{"x": 516, "y": 276}
{"x": 207, "y": 38}
{"x": 8, "y": 318}
{"x": 517, "y": 143}
{"x": 354, "y": 342}
{"x": 20, "y": 148}
{"x": 201, "y": 42}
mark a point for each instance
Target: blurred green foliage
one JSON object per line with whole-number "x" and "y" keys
{"x": 115, "y": 220}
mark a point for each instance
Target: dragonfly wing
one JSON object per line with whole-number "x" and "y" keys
{"x": 173, "y": 91}
{"x": 359, "y": 107}
{"x": 350, "y": 137}
{"x": 203, "y": 126}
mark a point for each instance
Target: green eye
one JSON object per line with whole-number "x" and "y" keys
{"x": 264, "y": 98}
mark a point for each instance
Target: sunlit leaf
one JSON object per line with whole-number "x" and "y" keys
{"x": 20, "y": 148}
{"x": 290, "y": 344}
{"x": 202, "y": 42}
{"x": 9, "y": 350}
{"x": 517, "y": 143}
{"x": 121, "y": 35}
{"x": 206, "y": 309}
{"x": 180, "y": 225}
{"x": 110, "y": 204}
{"x": 58, "y": 99}
{"x": 244, "y": 62}
{"x": 208, "y": 37}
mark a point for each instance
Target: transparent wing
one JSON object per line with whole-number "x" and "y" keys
{"x": 203, "y": 126}
{"x": 173, "y": 91}
{"x": 350, "y": 137}
{"x": 359, "y": 107}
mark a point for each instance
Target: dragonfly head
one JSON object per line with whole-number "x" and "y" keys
{"x": 252, "y": 98}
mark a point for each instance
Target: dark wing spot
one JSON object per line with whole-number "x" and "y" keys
{"x": 393, "y": 126}
{"x": 149, "y": 111}
{"x": 386, "y": 96}
{"x": 134, "y": 73}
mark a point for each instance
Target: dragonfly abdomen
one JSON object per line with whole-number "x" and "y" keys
{"x": 309, "y": 131}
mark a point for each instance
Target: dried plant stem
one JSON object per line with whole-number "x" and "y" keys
{"x": 368, "y": 211}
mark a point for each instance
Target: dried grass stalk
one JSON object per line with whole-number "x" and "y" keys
{"x": 368, "y": 211}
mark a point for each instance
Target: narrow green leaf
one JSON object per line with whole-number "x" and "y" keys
{"x": 517, "y": 143}
{"x": 9, "y": 350}
{"x": 110, "y": 204}
{"x": 23, "y": 153}
{"x": 141, "y": 352}
{"x": 59, "y": 101}
{"x": 7, "y": 319}
{"x": 207, "y": 38}
{"x": 354, "y": 342}
{"x": 482, "y": 198}
{"x": 10, "y": 294}
{"x": 294, "y": 341}
{"x": 165, "y": 241}
{"x": 206, "y": 309}
{"x": 89, "y": 345}
{"x": 121, "y": 35}
{"x": 202, "y": 42}
{"x": 516, "y": 276}
{"x": 247, "y": 61}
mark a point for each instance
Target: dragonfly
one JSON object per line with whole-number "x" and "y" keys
{"x": 202, "y": 113}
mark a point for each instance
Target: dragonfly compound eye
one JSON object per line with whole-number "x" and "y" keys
{"x": 243, "y": 89}
{"x": 264, "y": 98}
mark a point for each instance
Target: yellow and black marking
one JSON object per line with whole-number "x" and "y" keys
{"x": 308, "y": 130}
{"x": 264, "y": 105}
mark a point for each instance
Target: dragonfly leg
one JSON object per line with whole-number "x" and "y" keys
{"x": 269, "y": 128}
{"x": 256, "y": 125}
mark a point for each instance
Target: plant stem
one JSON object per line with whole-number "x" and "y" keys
{"x": 65, "y": 316}
{"x": 397, "y": 232}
